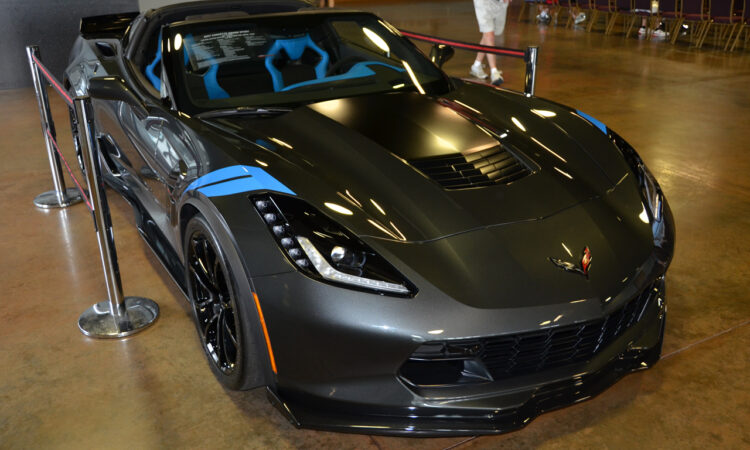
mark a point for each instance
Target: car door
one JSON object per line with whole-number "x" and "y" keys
{"x": 164, "y": 158}
{"x": 142, "y": 128}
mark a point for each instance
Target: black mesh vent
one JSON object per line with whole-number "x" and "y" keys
{"x": 483, "y": 168}
{"x": 526, "y": 353}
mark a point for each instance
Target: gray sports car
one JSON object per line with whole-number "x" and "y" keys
{"x": 384, "y": 248}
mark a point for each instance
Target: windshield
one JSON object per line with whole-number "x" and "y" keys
{"x": 286, "y": 60}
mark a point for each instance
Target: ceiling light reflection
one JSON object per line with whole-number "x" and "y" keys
{"x": 400, "y": 234}
{"x": 466, "y": 106}
{"x": 379, "y": 208}
{"x": 280, "y": 142}
{"x": 338, "y": 208}
{"x": 544, "y": 113}
{"x": 413, "y": 77}
{"x": 349, "y": 194}
{"x": 564, "y": 173}
{"x": 548, "y": 149}
{"x": 518, "y": 123}
{"x": 643, "y": 215}
{"x": 445, "y": 143}
{"x": 377, "y": 40}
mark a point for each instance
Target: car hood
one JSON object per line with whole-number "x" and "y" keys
{"x": 511, "y": 266}
{"x": 356, "y": 153}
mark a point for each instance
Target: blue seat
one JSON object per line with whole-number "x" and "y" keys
{"x": 213, "y": 90}
{"x": 294, "y": 48}
{"x": 151, "y": 68}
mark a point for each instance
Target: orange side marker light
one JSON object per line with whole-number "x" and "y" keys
{"x": 265, "y": 332}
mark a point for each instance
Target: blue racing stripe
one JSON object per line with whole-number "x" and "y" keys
{"x": 237, "y": 179}
{"x": 593, "y": 121}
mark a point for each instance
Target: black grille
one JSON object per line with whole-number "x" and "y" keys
{"x": 526, "y": 353}
{"x": 495, "y": 165}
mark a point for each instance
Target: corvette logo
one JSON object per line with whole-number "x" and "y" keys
{"x": 584, "y": 267}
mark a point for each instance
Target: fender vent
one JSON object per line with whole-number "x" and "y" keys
{"x": 494, "y": 165}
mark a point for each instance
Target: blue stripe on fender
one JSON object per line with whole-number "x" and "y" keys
{"x": 593, "y": 121}
{"x": 237, "y": 179}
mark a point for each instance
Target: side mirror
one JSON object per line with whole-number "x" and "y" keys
{"x": 114, "y": 88}
{"x": 441, "y": 53}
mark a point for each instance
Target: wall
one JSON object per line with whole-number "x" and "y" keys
{"x": 50, "y": 24}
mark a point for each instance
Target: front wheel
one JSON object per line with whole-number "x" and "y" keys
{"x": 224, "y": 322}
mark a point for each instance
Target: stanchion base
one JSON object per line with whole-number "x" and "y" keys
{"x": 97, "y": 322}
{"x": 48, "y": 200}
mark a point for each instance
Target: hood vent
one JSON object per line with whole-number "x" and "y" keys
{"x": 494, "y": 165}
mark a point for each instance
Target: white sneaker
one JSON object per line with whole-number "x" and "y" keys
{"x": 641, "y": 31}
{"x": 543, "y": 17}
{"x": 477, "y": 71}
{"x": 659, "y": 33}
{"x": 497, "y": 77}
{"x": 581, "y": 17}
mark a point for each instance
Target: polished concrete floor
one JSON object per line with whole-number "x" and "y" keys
{"x": 688, "y": 113}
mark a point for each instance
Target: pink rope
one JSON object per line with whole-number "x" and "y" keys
{"x": 83, "y": 193}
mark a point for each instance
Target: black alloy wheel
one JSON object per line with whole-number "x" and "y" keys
{"x": 213, "y": 302}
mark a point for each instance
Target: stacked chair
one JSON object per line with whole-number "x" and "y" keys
{"x": 600, "y": 7}
{"x": 587, "y": 6}
{"x": 744, "y": 25}
{"x": 527, "y": 4}
{"x": 642, "y": 10}
{"x": 567, "y": 6}
{"x": 624, "y": 9}
{"x": 721, "y": 14}
{"x": 729, "y": 19}
{"x": 693, "y": 13}
{"x": 670, "y": 14}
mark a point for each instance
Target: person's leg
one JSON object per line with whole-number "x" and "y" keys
{"x": 488, "y": 39}
{"x": 485, "y": 26}
{"x": 496, "y": 75}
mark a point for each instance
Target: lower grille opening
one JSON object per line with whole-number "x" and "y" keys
{"x": 506, "y": 356}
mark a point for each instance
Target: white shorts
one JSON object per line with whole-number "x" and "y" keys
{"x": 491, "y": 15}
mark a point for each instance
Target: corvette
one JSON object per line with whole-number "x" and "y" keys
{"x": 384, "y": 248}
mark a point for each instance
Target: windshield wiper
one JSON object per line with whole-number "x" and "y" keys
{"x": 256, "y": 111}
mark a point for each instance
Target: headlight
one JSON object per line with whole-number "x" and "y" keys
{"x": 324, "y": 250}
{"x": 650, "y": 190}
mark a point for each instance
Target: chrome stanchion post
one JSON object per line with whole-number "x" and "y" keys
{"x": 60, "y": 197}
{"x": 530, "y": 58}
{"x": 120, "y": 316}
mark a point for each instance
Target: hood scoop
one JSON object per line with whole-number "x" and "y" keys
{"x": 484, "y": 166}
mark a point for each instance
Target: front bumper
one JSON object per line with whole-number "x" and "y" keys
{"x": 336, "y": 373}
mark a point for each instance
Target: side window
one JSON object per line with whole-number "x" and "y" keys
{"x": 145, "y": 55}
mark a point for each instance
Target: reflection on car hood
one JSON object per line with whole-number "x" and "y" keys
{"x": 511, "y": 266}
{"x": 356, "y": 152}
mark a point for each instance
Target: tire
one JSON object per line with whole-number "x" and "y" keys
{"x": 227, "y": 328}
